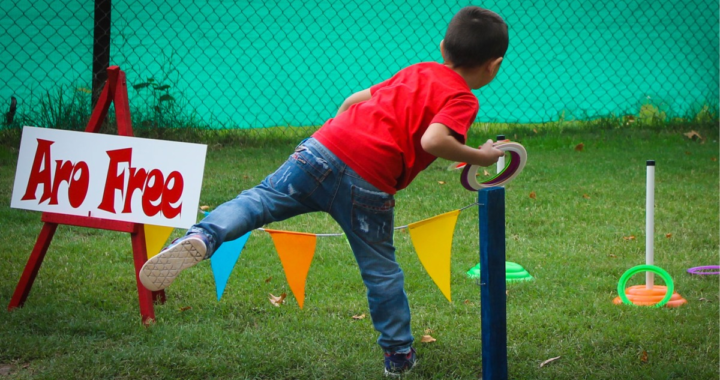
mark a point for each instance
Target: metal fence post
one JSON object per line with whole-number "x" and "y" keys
{"x": 101, "y": 47}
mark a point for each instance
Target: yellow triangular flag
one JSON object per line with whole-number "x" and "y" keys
{"x": 296, "y": 251}
{"x": 432, "y": 239}
{"x": 155, "y": 238}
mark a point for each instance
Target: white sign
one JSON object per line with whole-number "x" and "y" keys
{"x": 108, "y": 176}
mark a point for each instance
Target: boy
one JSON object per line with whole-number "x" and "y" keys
{"x": 380, "y": 139}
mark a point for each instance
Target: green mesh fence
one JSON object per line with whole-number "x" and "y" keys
{"x": 255, "y": 64}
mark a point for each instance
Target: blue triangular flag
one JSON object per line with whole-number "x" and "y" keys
{"x": 223, "y": 261}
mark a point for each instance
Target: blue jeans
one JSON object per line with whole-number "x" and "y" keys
{"x": 314, "y": 179}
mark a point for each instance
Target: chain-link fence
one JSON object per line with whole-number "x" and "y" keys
{"x": 256, "y": 64}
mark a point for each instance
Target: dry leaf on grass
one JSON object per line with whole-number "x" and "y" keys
{"x": 692, "y": 134}
{"x": 5, "y": 369}
{"x": 704, "y": 299}
{"x": 586, "y": 196}
{"x": 204, "y": 208}
{"x": 549, "y": 361}
{"x": 668, "y": 235}
{"x": 631, "y": 237}
{"x": 357, "y": 317}
{"x": 277, "y": 301}
{"x": 268, "y": 279}
{"x": 714, "y": 158}
{"x": 441, "y": 182}
{"x": 427, "y": 339}
{"x": 579, "y": 147}
{"x": 644, "y": 357}
{"x": 532, "y": 195}
{"x": 185, "y": 308}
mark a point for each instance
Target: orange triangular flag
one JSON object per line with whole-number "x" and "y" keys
{"x": 296, "y": 251}
{"x": 155, "y": 238}
{"x": 432, "y": 239}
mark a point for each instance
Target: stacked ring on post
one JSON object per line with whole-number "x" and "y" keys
{"x": 514, "y": 164}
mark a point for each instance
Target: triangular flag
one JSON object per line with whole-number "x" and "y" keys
{"x": 223, "y": 261}
{"x": 296, "y": 251}
{"x": 155, "y": 238}
{"x": 432, "y": 239}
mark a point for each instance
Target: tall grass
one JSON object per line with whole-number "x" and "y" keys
{"x": 160, "y": 110}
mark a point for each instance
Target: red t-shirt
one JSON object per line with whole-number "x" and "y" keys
{"x": 380, "y": 138}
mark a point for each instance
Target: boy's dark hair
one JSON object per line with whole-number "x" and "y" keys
{"x": 474, "y": 36}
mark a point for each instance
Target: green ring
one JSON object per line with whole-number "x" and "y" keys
{"x": 646, "y": 268}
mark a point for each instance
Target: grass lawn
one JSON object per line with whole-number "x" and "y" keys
{"x": 570, "y": 219}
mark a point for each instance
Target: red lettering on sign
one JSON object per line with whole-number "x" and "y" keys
{"x": 172, "y": 195}
{"x": 158, "y": 194}
{"x": 151, "y": 203}
{"x": 136, "y": 181}
{"x": 79, "y": 184}
{"x": 114, "y": 180}
{"x": 63, "y": 171}
{"x": 38, "y": 176}
{"x": 77, "y": 177}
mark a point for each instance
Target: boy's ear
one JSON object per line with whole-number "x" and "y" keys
{"x": 442, "y": 49}
{"x": 494, "y": 64}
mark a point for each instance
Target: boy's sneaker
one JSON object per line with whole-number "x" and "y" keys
{"x": 398, "y": 364}
{"x": 160, "y": 271}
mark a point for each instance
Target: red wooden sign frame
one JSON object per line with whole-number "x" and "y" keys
{"x": 115, "y": 91}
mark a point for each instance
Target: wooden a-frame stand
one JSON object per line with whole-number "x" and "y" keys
{"x": 115, "y": 91}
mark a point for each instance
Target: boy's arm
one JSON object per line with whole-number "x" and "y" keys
{"x": 439, "y": 141}
{"x": 357, "y": 97}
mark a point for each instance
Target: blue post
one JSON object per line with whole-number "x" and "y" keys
{"x": 492, "y": 283}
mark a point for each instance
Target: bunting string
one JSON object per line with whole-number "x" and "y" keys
{"x": 432, "y": 239}
{"x": 342, "y": 234}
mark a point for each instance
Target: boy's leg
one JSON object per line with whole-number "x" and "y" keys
{"x": 366, "y": 216}
{"x": 386, "y": 295}
{"x": 250, "y": 210}
{"x": 285, "y": 193}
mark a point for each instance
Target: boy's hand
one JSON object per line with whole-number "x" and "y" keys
{"x": 489, "y": 154}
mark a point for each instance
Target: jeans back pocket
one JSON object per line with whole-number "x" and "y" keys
{"x": 372, "y": 215}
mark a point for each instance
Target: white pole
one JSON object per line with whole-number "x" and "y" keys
{"x": 501, "y": 160}
{"x": 650, "y": 223}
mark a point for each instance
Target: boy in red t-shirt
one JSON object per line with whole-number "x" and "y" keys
{"x": 380, "y": 139}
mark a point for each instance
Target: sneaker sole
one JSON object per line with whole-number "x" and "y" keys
{"x": 160, "y": 271}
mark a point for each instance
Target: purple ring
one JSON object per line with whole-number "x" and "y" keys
{"x": 463, "y": 178}
{"x": 514, "y": 166}
{"x": 701, "y": 270}
{"x": 507, "y": 172}
{"x": 497, "y": 180}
